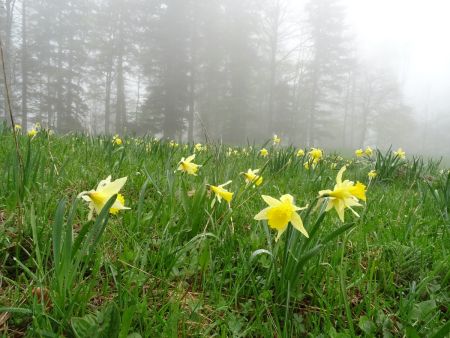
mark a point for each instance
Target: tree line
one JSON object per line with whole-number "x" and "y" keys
{"x": 230, "y": 70}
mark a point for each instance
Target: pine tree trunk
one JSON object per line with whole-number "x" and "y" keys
{"x": 24, "y": 68}
{"x": 121, "y": 114}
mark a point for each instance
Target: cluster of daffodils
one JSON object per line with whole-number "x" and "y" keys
{"x": 279, "y": 212}
{"x": 173, "y": 144}
{"x": 199, "y": 147}
{"x": 186, "y": 165}
{"x": 360, "y": 152}
{"x": 314, "y": 157}
{"x": 232, "y": 151}
{"x": 346, "y": 194}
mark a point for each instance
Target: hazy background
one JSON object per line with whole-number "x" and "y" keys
{"x": 330, "y": 73}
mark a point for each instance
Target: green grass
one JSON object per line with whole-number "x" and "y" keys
{"x": 176, "y": 266}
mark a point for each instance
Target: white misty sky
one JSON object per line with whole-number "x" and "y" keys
{"x": 412, "y": 36}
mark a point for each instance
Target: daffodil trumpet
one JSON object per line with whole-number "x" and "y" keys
{"x": 280, "y": 213}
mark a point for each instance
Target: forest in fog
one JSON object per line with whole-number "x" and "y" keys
{"x": 229, "y": 70}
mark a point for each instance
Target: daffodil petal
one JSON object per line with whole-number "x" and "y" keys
{"x": 324, "y": 192}
{"x": 280, "y": 232}
{"x": 262, "y": 214}
{"x": 273, "y": 202}
{"x": 225, "y": 184}
{"x": 340, "y": 208}
{"x": 287, "y": 198}
{"x": 190, "y": 158}
{"x": 298, "y": 224}
{"x": 339, "y": 175}
{"x": 113, "y": 187}
{"x": 104, "y": 182}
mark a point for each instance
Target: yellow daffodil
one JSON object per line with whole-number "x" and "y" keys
{"x": 280, "y": 212}
{"x": 198, "y": 147}
{"x": 220, "y": 193}
{"x": 173, "y": 144}
{"x": 372, "y": 174}
{"x": 187, "y": 166}
{"x": 345, "y": 195}
{"x": 32, "y": 132}
{"x": 251, "y": 177}
{"x": 300, "y": 153}
{"x": 37, "y": 126}
{"x": 105, "y": 190}
{"x": 359, "y": 152}
{"x": 263, "y": 152}
{"x": 368, "y": 151}
{"x": 117, "y": 140}
{"x": 400, "y": 153}
{"x": 276, "y": 140}
{"x": 316, "y": 154}
{"x": 306, "y": 165}
{"x": 17, "y": 128}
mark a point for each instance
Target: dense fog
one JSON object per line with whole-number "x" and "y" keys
{"x": 316, "y": 72}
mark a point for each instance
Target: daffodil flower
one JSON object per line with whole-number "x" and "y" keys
{"x": 32, "y": 133}
{"x": 372, "y": 174}
{"x": 276, "y": 140}
{"x": 400, "y": 153}
{"x": 280, "y": 212}
{"x": 173, "y": 144}
{"x": 316, "y": 154}
{"x": 263, "y": 152}
{"x": 359, "y": 153}
{"x": 345, "y": 195}
{"x": 187, "y": 166}
{"x": 368, "y": 151}
{"x": 117, "y": 140}
{"x": 251, "y": 177}
{"x": 220, "y": 192}
{"x": 105, "y": 190}
{"x": 199, "y": 147}
{"x": 300, "y": 153}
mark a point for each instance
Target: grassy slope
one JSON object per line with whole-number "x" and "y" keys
{"x": 174, "y": 266}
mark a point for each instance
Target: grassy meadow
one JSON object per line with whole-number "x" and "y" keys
{"x": 178, "y": 264}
